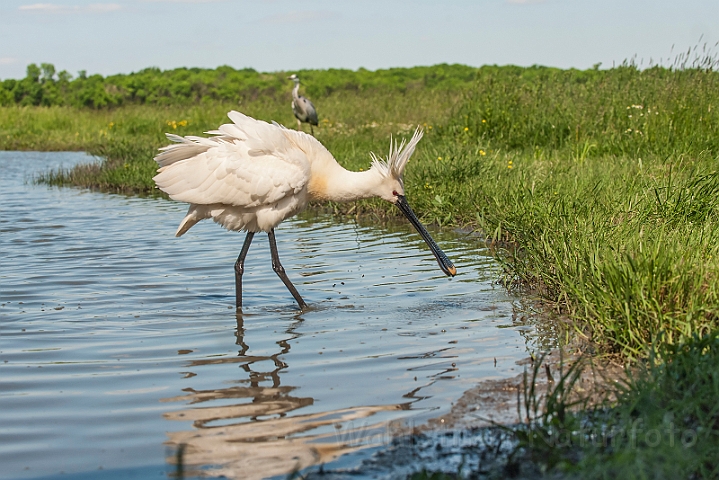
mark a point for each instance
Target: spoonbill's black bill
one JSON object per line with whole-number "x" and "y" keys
{"x": 444, "y": 263}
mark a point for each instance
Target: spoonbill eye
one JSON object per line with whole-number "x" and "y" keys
{"x": 394, "y": 192}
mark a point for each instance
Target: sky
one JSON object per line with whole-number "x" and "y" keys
{"x": 123, "y": 36}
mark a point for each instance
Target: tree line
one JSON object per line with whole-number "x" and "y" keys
{"x": 44, "y": 86}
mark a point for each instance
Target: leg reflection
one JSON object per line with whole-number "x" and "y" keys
{"x": 253, "y": 426}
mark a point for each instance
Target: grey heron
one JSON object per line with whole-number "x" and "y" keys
{"x": 303, "y": 109}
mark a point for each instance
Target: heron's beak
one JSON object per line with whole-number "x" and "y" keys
{"x": 444, "y": 263}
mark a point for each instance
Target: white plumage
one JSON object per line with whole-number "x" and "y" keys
{"x": 251, "y": 175}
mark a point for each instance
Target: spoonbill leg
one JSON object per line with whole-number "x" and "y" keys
{"x": 280, "y": 270}
{"x": 240, "y": 269}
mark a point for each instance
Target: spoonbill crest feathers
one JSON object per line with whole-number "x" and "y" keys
{"x": 393, "y": 166}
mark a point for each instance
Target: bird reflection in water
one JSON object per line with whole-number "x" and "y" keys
{"x": 251, "y": 432}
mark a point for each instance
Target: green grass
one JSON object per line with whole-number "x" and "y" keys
{"x": 601, "y": 188}
{"x": 664, "y": 424}
{"x": 619, "y": 229}
{"x": 628, "y": 248}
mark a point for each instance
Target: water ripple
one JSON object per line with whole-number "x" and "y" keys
{"x": 119, "y": 341}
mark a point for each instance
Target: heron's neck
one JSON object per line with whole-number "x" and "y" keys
{"x": 296, "y": 90}
{"x": 336, "y": 184}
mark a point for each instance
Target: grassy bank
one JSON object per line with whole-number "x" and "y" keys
{"x": 662, "y": 424}
{"x": 605, "y": 181}
{"x": 603, "y": 186}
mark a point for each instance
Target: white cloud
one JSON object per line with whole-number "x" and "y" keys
{"x": 55, "y": 8}
{"x": 184, "y": 1}
{"x": 7, "y": 60}
{"x": 300, "y": 17}
{"x": 42, "y": 7}
{"x": 103, "y": 7}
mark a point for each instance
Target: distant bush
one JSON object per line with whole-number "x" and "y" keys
{"x": 187, "y": 86}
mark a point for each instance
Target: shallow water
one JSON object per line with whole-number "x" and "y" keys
{"x": 120, "y": 351}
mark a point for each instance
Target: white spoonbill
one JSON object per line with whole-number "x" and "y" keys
{"x": 251, "y": 175}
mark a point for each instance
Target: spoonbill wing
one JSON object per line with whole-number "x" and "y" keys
{"x": 248, "y": 163}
